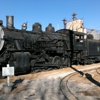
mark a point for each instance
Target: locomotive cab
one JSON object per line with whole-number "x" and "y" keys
{"x": 78, "y": 47}
{"x": 78, "y": 41}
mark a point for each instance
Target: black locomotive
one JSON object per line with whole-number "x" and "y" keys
{"x": 39, "y": 50}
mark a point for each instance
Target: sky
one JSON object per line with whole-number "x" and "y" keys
{"x": 50, "y": 11}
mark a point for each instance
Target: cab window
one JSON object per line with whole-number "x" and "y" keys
{"x": 79, "y": 38}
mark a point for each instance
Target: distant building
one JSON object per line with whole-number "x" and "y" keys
{"x": 76, "y": 24}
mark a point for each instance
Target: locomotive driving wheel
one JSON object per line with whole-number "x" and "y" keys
{"x": 57, "y": 61}
{"x": 66, "y": 61}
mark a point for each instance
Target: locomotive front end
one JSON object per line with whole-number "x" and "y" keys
{"x": 9, "y": 25}
{"x": 11, "y": 40}
{"x": 1, "y": 38}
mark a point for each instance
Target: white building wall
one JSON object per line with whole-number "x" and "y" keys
{"x": 76, "y": 25}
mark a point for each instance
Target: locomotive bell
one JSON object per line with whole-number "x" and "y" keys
{"x": 37, "y": 27}
{"x": 10, "y": 21}
{"x": 49, "y": 28}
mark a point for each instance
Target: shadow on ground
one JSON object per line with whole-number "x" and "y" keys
{"x": 16, "y": 82}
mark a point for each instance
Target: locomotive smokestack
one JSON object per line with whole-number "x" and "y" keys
{"x": 10, "y": 21}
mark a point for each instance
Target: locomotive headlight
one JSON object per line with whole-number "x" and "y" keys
{"x": 24, "y": 25}
{"x": 1, "y": 38}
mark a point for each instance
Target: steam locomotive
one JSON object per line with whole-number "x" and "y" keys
{"x": 39, "y": 50}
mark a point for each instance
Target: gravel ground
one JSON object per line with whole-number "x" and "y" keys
{"x": 46, "y": 86}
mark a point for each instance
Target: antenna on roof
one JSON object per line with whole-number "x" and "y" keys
{"x": 74, "y": 16}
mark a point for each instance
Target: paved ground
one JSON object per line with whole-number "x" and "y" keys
{"x": 53, "y": 85}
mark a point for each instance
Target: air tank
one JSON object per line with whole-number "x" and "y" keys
{"x": 49, "y": 28}
{"x": 37, "y": 27}
{"x": 10, "y": 21}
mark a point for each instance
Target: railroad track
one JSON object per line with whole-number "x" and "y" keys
{"x": 69, "y": 95}
{"x": 98, "y": 71}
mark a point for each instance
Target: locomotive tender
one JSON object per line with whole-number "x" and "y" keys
{"x": 39, "y": 50}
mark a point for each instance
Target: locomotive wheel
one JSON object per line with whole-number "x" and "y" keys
{"x": 77, "y": 62}
{"x": 38, "y": 70}
{"x": 66, "y": 61}
{"x": 57, "y": 61}
{"x": 50, "y": 69}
